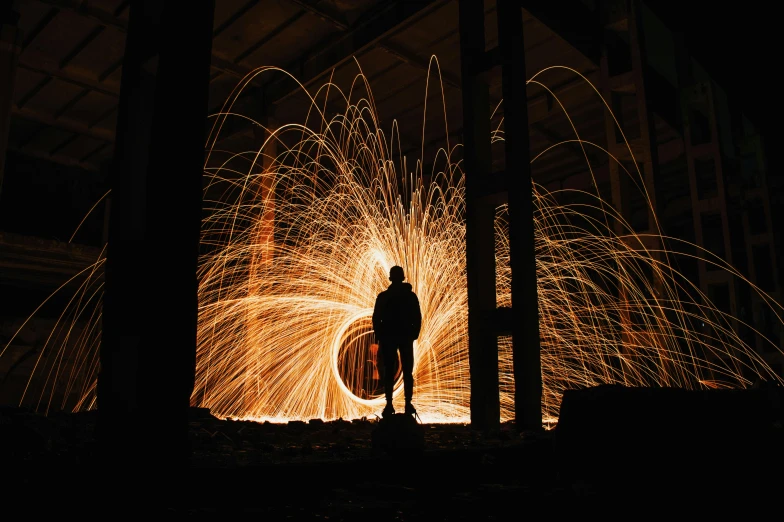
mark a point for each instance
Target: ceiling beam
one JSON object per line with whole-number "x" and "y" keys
{"x": 95, "y": 14}
{"x": 60, "y": 159}
{"x": 330, "y": 54}
{"x": 571, "y": 93}
{"x": 582, "y": 28}
{"x": 414, "y": 151}
{"x": 228, "y": 67}
{"x": 81, "y": 81}
{"x": 107, "y": 19}
{"x": 394, "y": 50}
{"x": 66, "y": 125}
{"x": 585, "y": 153}
{"x": 269, "y": 36}
{"x": 42, "y": 24}
{"x": 415, "y": 61}
{"x": 322, "y": 59}
{"x": 311, "y": 7}
{"x": 239, "y": 13}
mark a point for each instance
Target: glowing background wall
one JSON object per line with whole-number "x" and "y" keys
{"x": 280, "y": 297}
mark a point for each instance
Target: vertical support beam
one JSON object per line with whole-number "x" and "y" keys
{"x": 614, "y": 17}
{"x": 522, "y": 246}
{"x": 480, "y": 222}
{"x": 263, "y": 201}
{"x": 9, "y": 55}
{"x": 624, "y": 76}
{"x": 752, "y": 149}
{"x": 106, "y": 176}
{"x": 700, "y": 98}
{"x": 649, "y": 148}
{"x": 148, "y": 351}
{"x": 619, "y": 180}
{"x": 648, "y": 141}
{"x": 107, "y": 211}
{"x": 262, "y": 248}
{"x": 266, "y": 194}
{"x": 707, "y": 182}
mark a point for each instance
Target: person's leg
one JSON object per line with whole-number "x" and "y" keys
{"x": 407, "y": 360}
{"x": 388, "y": 357}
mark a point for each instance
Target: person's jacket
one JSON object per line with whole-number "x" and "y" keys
{"x": 397, "y": 313}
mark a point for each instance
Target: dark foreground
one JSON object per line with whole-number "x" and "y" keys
{"x": 330, "y": 471}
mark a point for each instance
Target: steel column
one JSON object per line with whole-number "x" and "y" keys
{"x": 522, "y": 244}
{"x": 9, "y": 56}
{"x": 148, "y": 351}
{"x": 480, "y": 222}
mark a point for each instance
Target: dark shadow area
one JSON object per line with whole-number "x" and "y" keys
{"x": 708, "y": 447}
{"x": 299, "y": 470}
{"x": 656, "y": 449}
{"x": 48, "y": 200}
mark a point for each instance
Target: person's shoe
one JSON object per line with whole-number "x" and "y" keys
{"x": 389, "y": 410}
{"x": 410, "y": 410}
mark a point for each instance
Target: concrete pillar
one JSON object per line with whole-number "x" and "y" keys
{"x": 522, "y": 249}
{"x": 269, "y": 152}
{"x": 623, "y": 76}
{"x": 262, "y": 248}
{"x": 9, "y": 54}
{"x": 150, "y": 312}
{"x": 705, "y": 163}
{"x": 105, "y": 172}
{"x": 480, "y": 216}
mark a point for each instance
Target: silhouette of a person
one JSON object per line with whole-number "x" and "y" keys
{"x": 397, "y": 320}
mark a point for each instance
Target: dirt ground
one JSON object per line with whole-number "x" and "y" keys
{"x": 331, "y": 471}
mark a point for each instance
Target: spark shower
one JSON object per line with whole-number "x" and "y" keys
{"x": 299, "y": 238}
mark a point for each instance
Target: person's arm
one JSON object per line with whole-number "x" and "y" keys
{"x": 417, "y": 316}
{"x": 377, "y": 316}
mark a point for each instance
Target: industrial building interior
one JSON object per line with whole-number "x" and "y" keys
{"x": 63, "y": 121}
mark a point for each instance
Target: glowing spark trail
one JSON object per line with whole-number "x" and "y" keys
{"x": 269, "y": 349}
{"x": 285, "y": 304}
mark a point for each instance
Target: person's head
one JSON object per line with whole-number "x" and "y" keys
{"x": 396, "y": 274}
